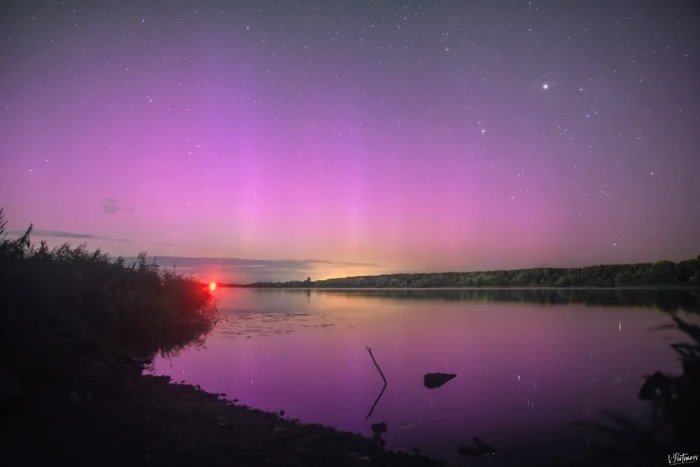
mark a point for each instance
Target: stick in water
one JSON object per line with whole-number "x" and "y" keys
{"x": 375, "y": 363}
{"x": 376, "y": 402}
{"x": 382, "y": 375}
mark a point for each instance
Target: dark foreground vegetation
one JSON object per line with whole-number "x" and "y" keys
{"x": 672, "y": 431}
{"x": 77, "y": 328}
{"x": 662, "y": 273}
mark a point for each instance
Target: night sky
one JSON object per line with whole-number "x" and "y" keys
{"x": 354, "y": 137}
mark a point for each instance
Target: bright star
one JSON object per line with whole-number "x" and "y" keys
{"x": 545, "y": 86}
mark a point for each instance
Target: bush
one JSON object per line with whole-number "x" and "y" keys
{"x": 67, "y": 302}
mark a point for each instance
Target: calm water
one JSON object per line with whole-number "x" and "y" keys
{"x": 525, "y": 371}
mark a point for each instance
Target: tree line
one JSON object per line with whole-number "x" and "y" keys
{"x": 661, "y": 273}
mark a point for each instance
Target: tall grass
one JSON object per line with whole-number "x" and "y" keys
{"x": 62, "y": 302}
{"x": 674, "y": 425}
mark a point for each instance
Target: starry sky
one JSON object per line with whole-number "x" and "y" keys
{"x": 278, "y": 139}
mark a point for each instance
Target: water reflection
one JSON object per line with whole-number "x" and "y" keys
{"x": 669, "y": 300}
{"x": 381, "y": 393}
{"x": 525, "y": 371}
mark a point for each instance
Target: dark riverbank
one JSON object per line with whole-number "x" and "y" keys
{"x": 144, "y": 420}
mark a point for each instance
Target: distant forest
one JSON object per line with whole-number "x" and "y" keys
{"x": 662, "y": 273}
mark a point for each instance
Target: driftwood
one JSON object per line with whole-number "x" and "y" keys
{"x": 375, "y": 363}
{"x": 381, "y": 393}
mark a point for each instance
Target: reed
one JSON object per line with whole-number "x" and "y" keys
{"x": 67, "y": 301}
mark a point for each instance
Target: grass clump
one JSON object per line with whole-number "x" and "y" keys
{"x": 65, "y": 306}
{"x": 673, "y": 426}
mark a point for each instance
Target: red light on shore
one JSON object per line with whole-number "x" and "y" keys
{"x": 212, "y": 286}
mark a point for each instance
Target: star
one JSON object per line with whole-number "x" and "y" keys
{"x": 357, "y": 96}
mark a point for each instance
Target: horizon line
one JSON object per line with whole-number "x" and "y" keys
{"x": 481, "y": 271}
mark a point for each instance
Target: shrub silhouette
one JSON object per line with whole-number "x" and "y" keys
{"x": 66, "y": 304}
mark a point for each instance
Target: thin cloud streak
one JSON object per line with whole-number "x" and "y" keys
{"x": 284, "y": 264}
{"x": 55, "y": 233}
{"x": 62, "y": 234}
{"x": 110, "y": 206}
{"x": 253, "y": 270}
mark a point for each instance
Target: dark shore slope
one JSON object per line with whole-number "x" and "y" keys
{"x": 76, "y": 329}
{"x": 145, "y": 420}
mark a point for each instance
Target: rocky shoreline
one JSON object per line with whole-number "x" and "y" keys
{"x": 134, "y": 419}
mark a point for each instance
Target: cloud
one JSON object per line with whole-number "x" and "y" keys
{"x": 61, "y": 234}
{"x": 112, "y": 206}
{"x": 54, "y": 233}
{"x": 282, "y": 264}
{"x": 339, "y": 263}
{"x": 249, "y": 270}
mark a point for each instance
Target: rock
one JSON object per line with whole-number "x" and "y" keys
{"x": 129, "y": 364}
{"x": 379, "y": 427}
{"x": 658, "y": 383}
{"x": 435, "y": 380}
{"x": 479, "y": 449}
